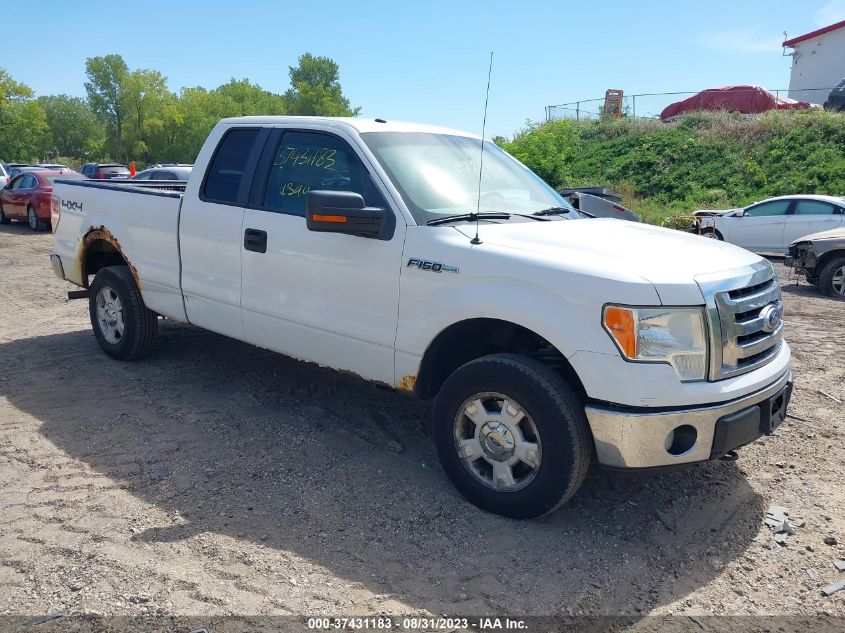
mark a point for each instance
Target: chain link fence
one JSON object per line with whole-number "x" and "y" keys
{"x": 649, "y": 105}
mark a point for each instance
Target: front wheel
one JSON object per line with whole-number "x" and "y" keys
{"x": 34, "y": 222}
{"x": 3, "y": 218}
{"x": 711, "y": 233}
{"x": 512, "y": 435}
{"x": 125, "y": 328}
{"x": 832, "y": 277}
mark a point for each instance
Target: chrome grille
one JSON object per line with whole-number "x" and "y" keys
{"x": 739, "y": 336}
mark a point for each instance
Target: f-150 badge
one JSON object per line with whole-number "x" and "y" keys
{"x": 435, "y": 267}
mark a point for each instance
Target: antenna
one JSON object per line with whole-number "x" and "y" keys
{"x": 476, "y": 239}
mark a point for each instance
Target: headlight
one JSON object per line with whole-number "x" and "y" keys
{"x": 661, "y": 335}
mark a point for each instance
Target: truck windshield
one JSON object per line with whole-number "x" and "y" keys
{"x": 437, "y": 175}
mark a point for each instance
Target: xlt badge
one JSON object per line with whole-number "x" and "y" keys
{"x": 435, "y": 267}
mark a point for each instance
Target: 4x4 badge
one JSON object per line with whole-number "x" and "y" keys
{"x": 435, "y": 267}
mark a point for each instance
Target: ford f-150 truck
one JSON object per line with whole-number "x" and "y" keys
{"x": 547, "y": 340}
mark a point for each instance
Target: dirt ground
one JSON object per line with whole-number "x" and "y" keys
{"x": 214, "y": 478}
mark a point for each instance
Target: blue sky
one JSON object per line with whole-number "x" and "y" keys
{"x": 427, "y": 61}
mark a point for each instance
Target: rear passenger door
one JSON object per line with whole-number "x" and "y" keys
{"x": 210, "y": 229}
{"x": 811, "y": 216}
{"x": 328, "y": 298}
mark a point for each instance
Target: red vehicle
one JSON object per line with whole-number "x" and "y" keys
{"x": 27, "y": 197}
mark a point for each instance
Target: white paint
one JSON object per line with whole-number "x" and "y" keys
{"x": 818, "y": 64}
{"x": 352, "y": 304}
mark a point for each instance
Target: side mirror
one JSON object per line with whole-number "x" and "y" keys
{"x": 343, "y": 212}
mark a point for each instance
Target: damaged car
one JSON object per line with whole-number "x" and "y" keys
{"x": 820, "y": 257}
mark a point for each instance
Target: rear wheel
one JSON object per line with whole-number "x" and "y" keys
{"x": 125, "y": 328}
{"x": 832, "y": 277}
{"x": 511, "y": 435}
{"x": 32, "y": 219}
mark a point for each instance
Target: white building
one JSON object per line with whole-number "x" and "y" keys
{"x": 818, "y": 63}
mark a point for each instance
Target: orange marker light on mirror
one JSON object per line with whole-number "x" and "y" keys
{"x": 338, "y": 219}
{"x": 620, "y": 323}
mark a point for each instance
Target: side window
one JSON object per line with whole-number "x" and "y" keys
{"x": 16, "y": 183}
{"x": 164, "y": 175}
{"x": 226, "y": 171}
{"x": 776, "y": 207}
{"x": 28, "y": 182}
{"x": 144, "y": 175}
{"x": 309, "y": 161}
{"x": 814, "y": 207}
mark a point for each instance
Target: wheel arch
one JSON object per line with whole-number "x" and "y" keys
{"x": 101, "y": 248}
{"x": 473, "y": 338}
{"x": 822, "y": 261}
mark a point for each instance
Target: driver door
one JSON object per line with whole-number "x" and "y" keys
{"x": 760, "y": 228}
{"x": 16, "y": 197}
{"x": 328, "y": 298}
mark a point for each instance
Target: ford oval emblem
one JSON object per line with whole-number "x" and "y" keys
{"x": 772, "y": 316}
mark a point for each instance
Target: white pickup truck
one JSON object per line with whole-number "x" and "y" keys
{"x": 548, "y": 340}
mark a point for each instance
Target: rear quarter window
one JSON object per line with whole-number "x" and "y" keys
{"x": 226, "y": 171}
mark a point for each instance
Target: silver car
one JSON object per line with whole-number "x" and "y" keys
{"x": 820, "y": 257}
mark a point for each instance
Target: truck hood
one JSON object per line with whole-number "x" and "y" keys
{"x": 667, "y": 258}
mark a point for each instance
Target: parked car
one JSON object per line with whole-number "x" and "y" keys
{"x": 547, "y": 339}
{"x": 836, "y": 100}
{"x": 820, "y": 257}
{"x": 175, "y": 172}
{"x": 10, "y": 166}
{"x": 599, "y": 203}
{"x": 52, "y": 166}
{"x": 27, "y": 197}
{"x": 4, "y": 176}
{"x": 23, "y": 169}
{"x": 104, "y": 171}
{"x": 772, "y": 225}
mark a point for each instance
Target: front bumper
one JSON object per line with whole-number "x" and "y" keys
{"x": 637, "y": 438}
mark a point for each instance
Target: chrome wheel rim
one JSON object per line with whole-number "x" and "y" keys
{"x": 110, "y": 315}
{"x": 497, "y": 442}
{"x": 33, "y": 219}
{"x": 838, "y": 281}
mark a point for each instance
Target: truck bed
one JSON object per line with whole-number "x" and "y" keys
{"x": 139, "y": 219}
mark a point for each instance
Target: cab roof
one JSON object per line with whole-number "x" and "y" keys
{"x": 356, "y": 124}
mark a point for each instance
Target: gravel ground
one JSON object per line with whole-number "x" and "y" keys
{"x": 215, "y": 478}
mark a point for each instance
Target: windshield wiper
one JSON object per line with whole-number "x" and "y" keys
{"x": 469, "y": 217}
{"x": 552, "y": 211}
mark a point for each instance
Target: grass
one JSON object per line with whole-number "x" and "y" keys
{"x": 703, "y": 160}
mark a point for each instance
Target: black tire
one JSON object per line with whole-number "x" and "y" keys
{"x": 711, "y": 233}
{"x": 826, "y": 276}
{"x": 140, "y": 324}
{"x": 3, "y": 218}
{"x": 33, "y": 221}
{"x": 554, "y": 409}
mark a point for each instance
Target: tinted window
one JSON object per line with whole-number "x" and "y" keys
{"x": 144, "y": 175}
{"x": 164, "y": 175}
{"x": 777, "y": 207}
{"x": 227, "y": 168}
{"x": 813, "y": 207}
{"x": 306, "y": 161}
{"x": 29, "y": 181}
{"x": 16, "y": 183}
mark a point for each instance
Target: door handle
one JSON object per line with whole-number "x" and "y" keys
{"x": 255, "y": 240}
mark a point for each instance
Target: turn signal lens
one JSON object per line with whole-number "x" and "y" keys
{"x": 620, "y": 322}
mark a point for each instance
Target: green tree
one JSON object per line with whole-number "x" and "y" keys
{"x": 315, "y": 89}
{"x": 74, "y": 128}
{"x": 23, "y": 125}
{"x": 145, "y": 97}
{"x": 106, "y": 86}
